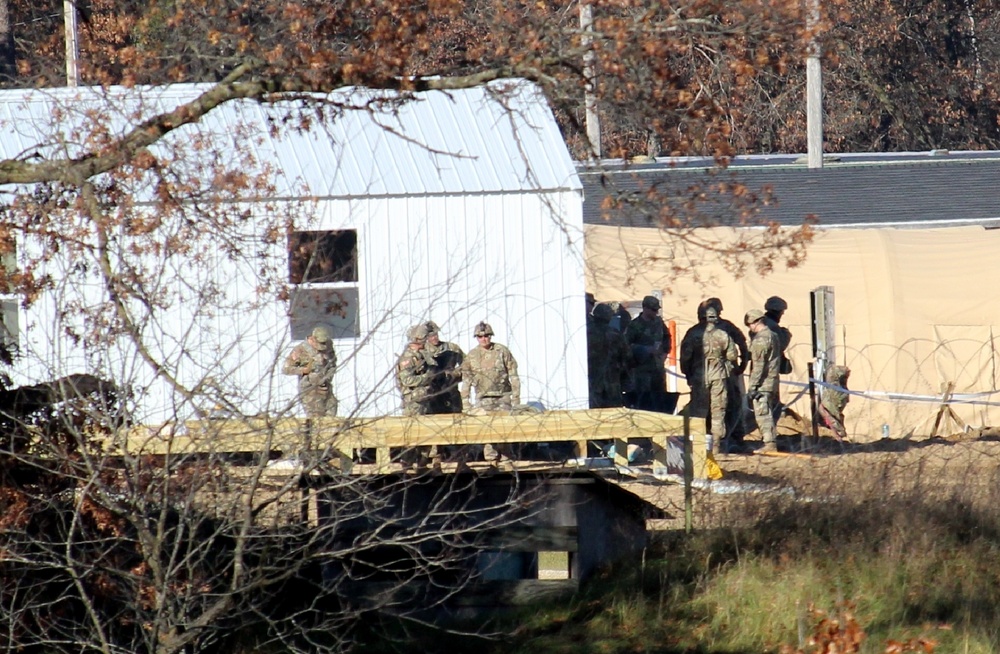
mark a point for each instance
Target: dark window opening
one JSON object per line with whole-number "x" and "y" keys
{"x": 323, "y": 257}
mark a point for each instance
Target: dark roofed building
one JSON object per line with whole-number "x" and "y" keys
{"x": 935, "y": 188}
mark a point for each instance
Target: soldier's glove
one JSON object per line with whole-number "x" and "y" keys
{"x": 753, "y": 396}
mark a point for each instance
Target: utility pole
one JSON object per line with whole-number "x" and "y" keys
{"x": 814, "y": 89}
{"x": 8, "y": 66}
{"x": 591, "y": 119}
{"x": 72, "y": 43}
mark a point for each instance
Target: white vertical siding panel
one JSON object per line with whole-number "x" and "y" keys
{"x": 491, "y": 251}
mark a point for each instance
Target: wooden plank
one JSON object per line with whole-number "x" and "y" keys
{"x": 786, "y": 455}
{"x": 945, "y": 410}
{"x": 292, "y": 434}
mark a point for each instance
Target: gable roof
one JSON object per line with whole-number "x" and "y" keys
{"x": 497, "y": 138}
{"x": 851, "y": 190}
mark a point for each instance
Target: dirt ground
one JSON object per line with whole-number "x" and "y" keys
{"x": 963, "y": 466}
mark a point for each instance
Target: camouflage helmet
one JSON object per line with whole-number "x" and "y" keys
{"x": 775, "y": 303}
{"x": 483, "y": 329}
{"x": 432, "y": 327}
{"x": 603, "y": 312}
{"x": 417, "y": 333}
{"x": 320, "y": 334}
{"x": 651, "y": 302}
{"x": 752, "y": 316}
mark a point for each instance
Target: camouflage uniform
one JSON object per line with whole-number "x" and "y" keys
{"x": 649, "y": 341}
{"x": 314, "y": 362}
{"x": 492, "y": 373}
{"x": 833, "y": 400}
{"x": 445, "y": 394}
{"x": 735, "y": 413}
{"x": 735, "y": 424}
{"x": 762, "y": 389}
{"x": 784, "y": 340}
{"x": 720, "y": 359}
{"x": 490, "y": 369}
{"x": 415, "y": 373}
{"x": 607, "y": 359}
{"x": 774, "y": 308}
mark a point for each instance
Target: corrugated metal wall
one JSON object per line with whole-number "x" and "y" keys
{"x": 466, "y": 209}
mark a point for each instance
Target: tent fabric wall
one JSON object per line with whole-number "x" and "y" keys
{"x": 912, "y": 312}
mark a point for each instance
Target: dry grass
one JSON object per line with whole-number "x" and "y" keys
{"x": 906, "y": 533}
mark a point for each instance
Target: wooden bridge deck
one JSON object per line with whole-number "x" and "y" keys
{"x": 342, "y": 437}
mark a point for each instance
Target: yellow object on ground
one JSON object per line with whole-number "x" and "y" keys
{"x": 712, "y": 469}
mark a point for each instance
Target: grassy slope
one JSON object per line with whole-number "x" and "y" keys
{"x": 896, "y": 572}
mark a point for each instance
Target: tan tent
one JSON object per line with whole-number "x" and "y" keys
{"x": 914, "y": 311}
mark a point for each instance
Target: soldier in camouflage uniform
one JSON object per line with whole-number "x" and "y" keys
{"x": 720, "y": 360}
{"x": 415, "y": 372}
{"x": 692, "y": 364}
{"x": 649, "y": 340}
{"x": 314, "y": 362}
{"x": 607, "y": 359}
{"x": 448, "y": 358}
{"x": 735, "y": 413}
{"x": 833, "y": 400}
{"x": 491, "y": 371}
{"x": 774, "y": 309}
{"x": 762, "y": 389}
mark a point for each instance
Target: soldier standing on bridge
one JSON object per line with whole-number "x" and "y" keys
{"x": 445, "y": 394}
{"x": 491, "y": 371}
{"x": 448, "y": 357}
{"x": 314, "y": 362}
{"x": 415, "y": 373}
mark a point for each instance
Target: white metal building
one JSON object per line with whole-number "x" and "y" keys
{"x": 458, "y": 207}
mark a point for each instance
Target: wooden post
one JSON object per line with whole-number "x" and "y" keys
{"x": 592, "y": 118}
{"x": 814, "y": 90}
{"x": 813, "y": 405}
{"x": 945, "y": 409}
{"x": 72, "y": 43}
{"x": 621, "y": 450}
{"x": 688, "y": 476}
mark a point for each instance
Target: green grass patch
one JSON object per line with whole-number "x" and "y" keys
{"x": 894, "y": 573}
